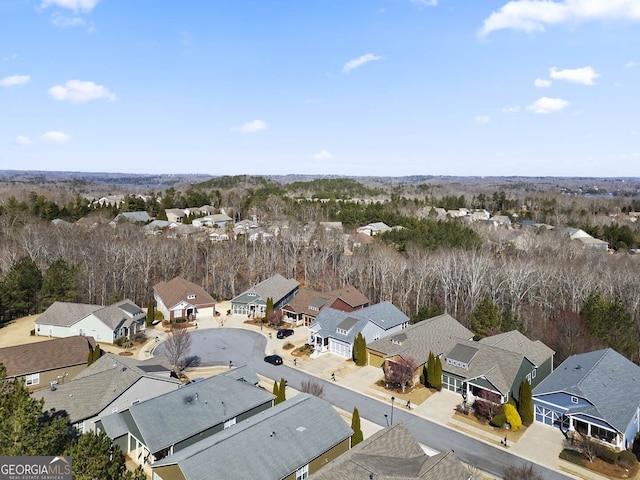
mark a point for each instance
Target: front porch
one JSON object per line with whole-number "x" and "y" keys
{"x": 597, "y": 430}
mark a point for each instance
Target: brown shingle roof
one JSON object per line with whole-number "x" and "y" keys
{"x": 178, "y": 289}
{"x": 351, "y": 296}
{"x": 38, "y": 357}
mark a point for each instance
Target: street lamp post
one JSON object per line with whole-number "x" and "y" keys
{"x": 392, "y": 399}
{"x": 386, "y": 417}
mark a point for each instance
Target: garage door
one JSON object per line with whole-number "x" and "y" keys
{"x": 340, "y": 349}
{"x": 547, "y": 416}
{"x": 451, "y": 383}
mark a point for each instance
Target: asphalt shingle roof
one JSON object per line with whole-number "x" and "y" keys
{"x": 197, "y": 407}
{"x": 177, "y": 290}
{"x": 392, "y": 454}
{"x": 281, "y": 440}
{"x": 605, "y": 378}
{"x": 99, "y": 385}
{"x": 65, "y": 314}
{"x": 438, "y": 335}
{"x": 48, "y": 355}
{"x": 514, "y": 341}
{"x": 276, "y": 287}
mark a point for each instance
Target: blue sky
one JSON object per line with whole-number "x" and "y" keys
{"x": 348, "y": 87}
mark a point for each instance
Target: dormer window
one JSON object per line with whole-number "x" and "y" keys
{"x": 191, "y": 296}
{"x": 341, "y": 331}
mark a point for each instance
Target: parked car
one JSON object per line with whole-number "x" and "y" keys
{"x": 273, "y": 359}
{"x": 284, "y": 333}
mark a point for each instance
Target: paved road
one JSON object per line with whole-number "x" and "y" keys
{"x": 244, "y": 347}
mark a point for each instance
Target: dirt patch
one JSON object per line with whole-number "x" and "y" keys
{"x": 126, "y": 354}
{"x": 416, "y": 394}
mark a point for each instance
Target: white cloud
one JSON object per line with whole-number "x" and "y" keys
{"x": 542, "y": 83}
{"x": 537, "y": 15}
{"x": 584, "y": 75}
{"x": 323, "y": 155}
{"x": 77, "y": 91}
{"x": 548, "y": 105}
{"x": 62, "y": 21}
{"x": 358, "y": 62}
{"x": 483, "y": 119}
{"x": 430, "y": 3}
{"x": 252, "y": 127}
{"x": 514, "y": 109}
{"x": 13, "y": 56}
{"x": 75, "y": 5}
{"x": 630, "y": 64}
{"x": 55, "y": 137}
{"x": 15, "y": 80}
{"x": 22, "y": 140}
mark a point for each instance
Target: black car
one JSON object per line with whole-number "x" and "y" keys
{"x": 284, "y": 333}
{"x": 273, "y": 359}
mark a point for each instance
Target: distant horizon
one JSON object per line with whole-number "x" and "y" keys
{"x": 385, "y": 88}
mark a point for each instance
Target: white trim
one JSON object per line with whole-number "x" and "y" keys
{"x": 32, "y": 379}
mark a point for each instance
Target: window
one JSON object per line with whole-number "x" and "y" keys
{"x": 135, "y": 402}
{"x": 376, "y": 336}
{"x": 191, "y": 296}
{"x": 529, "y": 378}
{"x": 302, "y": 473}
{"x": 79, "y": 426}
{"x": 230, "y": 423}
{"x": 533, "y": 373}
{"x": 82, "y": 332}
{"x": 574, "y": 399}
{"x": 32, "y": 379}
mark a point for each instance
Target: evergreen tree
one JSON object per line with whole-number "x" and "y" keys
{"x": 360, "y": 350}
{"x": 59, "y": 284}
{"x": 525, "y": 404}
{"x": 94, "y": 457}
{"x": 90, "y": 358}
{"x": 269, "y": 308}
{"x": 485, "y": 318}
{"x": 275, "y": 392}
{"x": 437, "y": 374}
{"x": 510, "y": 321}
{"x": 355, "y": 426}
{"x": 21, "y": 288}
{"x": 282, "y": 391}
{"x": 423, "y": 375}
{"x": 151, "y": 313}
{"x": 431, "y": 374}
{"x": 25, "y": 429}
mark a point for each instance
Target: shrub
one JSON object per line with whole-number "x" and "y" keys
{"x": 119, "y": 341}
{"x": 572, "y": 456}
{"x": 626, "y": 459}
{"x": 608, "y": 455}
{"x": 513, "y": 418}
{"x": 499, "y": 420}
{"x": 33, "y": 332}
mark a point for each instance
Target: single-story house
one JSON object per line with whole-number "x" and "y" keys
{"x": 335, "y": 331}
{"x": 494, "y": 367}
{"x": 175, "y": 215}
{"x": 220, "y": 220}
{"x": 392, "y": 454}
{"x": 305, "y": 306}
{"x": 373, "y": 229}
{"x": 435, "y": 335}
{"x": 104, "y": 324}
{"x": 42, "y": 364}
{"x": 595, "y": 394}
{"x": 110, "y": 384}
{"x": 289, "y": 441}
{"x": 180, "y": 298}
{"x": 254, "y": 300}
{"x": 167, "y": 424}
{"x": 133, "y": 217}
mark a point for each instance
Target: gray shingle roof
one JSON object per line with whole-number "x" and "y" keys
{"x": 514, "y": 341}
{"x": 385, "y": 315}
{"x": 276, "y": 287}
{"x": 122, "y": 313}
{"x": 197, "y": 407}
{"x": 178, "y": 289}
{"x": 99, "y": 385}
{"x": 392, "y": 454}
{"x": 498, "y": 366}
{"x": 65, "y": 314}
{"x": 438, "y": 335}
{"x": 605, "y": 378}
{"x": 280, "y": 440}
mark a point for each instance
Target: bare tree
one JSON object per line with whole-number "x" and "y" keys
{"x": 312, "y": 387}
{"x": 177, "y": 346}
{"x": 523, "y": 472}
{"x": 400, "y": 372}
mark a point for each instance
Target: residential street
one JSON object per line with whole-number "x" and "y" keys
{"x": 217, "y": 347}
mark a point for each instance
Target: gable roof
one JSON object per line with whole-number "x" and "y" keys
{"x": 392, "y": 454}
{"x": 349, "y": 295}
{"x": 122, "y": 313}
{"x": 201, "y": 405}
{"x": 384, "y": 315}
{"x": 306, "y": 298}
{"x": 500, "y": 367}
{"x": 65, "y": 314}
{"x": 48, "y": 355}
{"x": 281, "y": 440}
{"x": 514, "y": 341}
{"x": 141, "y": 216}
{"x": 437, "y": 334}
{"x": 176, "y": 290}
{"x": 605, "y": 378}
{"x": 101, "y": 383}
{"x": 275, "y": 287}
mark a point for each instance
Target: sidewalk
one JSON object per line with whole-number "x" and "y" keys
{"x": 539, "y": 444}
